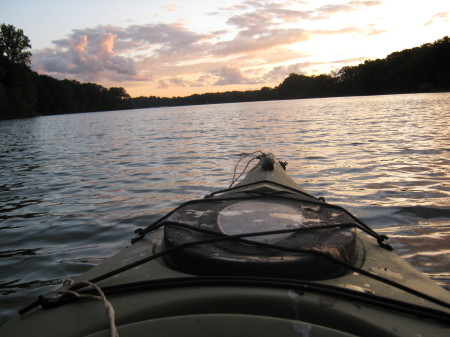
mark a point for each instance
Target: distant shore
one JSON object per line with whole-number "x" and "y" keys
{"x": 424, "y": 69}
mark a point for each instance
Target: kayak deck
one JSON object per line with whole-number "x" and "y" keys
{"x": 167, "y": 296}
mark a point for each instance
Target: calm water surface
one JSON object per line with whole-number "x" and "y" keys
{"x": 74, "y": 187}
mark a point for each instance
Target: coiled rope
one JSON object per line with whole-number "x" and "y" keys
{"x": 110, "y": 313}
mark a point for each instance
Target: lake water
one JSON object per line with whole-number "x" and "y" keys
{"x": 74, "y": 187}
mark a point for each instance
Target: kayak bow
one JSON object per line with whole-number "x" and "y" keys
{"x": 262, "y": 258}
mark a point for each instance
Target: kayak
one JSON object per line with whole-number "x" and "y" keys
{"x": 260, "y": 258}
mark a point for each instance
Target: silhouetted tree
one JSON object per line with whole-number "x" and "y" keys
{"x": 14, "y": 44}
{"x": 419, "y": 69}
{"x": 118, "y": 93}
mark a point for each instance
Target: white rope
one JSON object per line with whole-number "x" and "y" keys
{"x": 108, "y": 306}
{"x": 245, "y": 168}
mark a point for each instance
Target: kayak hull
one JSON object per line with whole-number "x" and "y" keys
{"x": 165, "y": 301}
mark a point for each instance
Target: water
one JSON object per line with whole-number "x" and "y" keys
{"x": 74, "y": 187}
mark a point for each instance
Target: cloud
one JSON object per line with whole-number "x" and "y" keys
{"x": 263, "y": 18}
{"x": 169, "y": 35}
{"x": 176, "y": 81}
{"x": 263, "y": 13}
{"x": 439, "y": 17}
{"x": 87, "y": 56}
{"x": 266, "y": 25}
{"x": 369, "y": 30}
{"x": 279, "y": 73}
{"x": 230, "y": 75}
{"x": 108, "y": 52}
{"x": 171, "y": 7}
{"x": 367, "y": 3}
{"x": 257, "y": 37}
{"x": 264, "y": 39}
{"x": 327, "y": 11}
{"x": 203, "y": 80}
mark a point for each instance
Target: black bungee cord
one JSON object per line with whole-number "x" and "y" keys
{"x": 252, "y": 195}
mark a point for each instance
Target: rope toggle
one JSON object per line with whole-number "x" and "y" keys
{"x": 382, "y": 242}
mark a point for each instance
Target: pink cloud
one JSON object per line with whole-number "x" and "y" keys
{"x": 107, "y": 44}
{"x": 88, "y": 55}
{"x": 81, "y": 43}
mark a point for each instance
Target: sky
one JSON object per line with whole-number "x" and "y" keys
{"x": 180, "y": 47}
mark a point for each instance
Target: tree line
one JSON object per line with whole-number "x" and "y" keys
{"x": 24, "y": 93}
{"x": 420, "y": 69}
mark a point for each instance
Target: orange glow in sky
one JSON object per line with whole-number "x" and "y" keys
{"x": 178, "y": 48}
